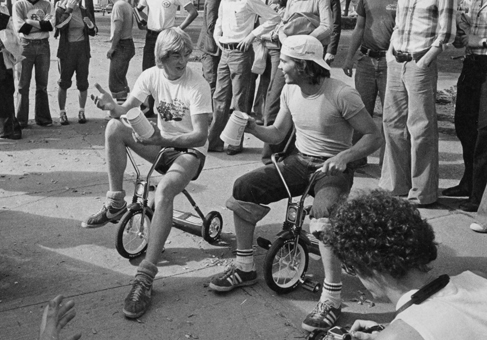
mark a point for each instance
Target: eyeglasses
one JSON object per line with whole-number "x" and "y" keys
{"x": 349, "y": 269}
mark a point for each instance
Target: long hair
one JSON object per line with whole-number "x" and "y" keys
{"x": 311, "y": 70}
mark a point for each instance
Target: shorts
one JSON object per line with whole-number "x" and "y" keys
{"x": 171, "y": 154}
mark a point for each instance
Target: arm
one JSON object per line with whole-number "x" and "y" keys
{"x": 89, "y": 22}
{"x": 116, "y": 38}
{"x": 192, "y": 14}
{"x": 446, "y": 32}
{"x": 323, "y": 31}
{"x": 195, "y": 138}
{"x": 211, "y": 16}
{"x": 332, "y": 48}
{"x": 273, "y": 134}
{"x": 270, "y": 18}
{"x": 355, "y": 41}
{"x": 370, "y": 141}
{"x": 217, "y": 33}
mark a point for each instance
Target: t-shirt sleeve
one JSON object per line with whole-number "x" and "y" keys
{"x": 284, "y": 99}
{"x": 200, "y": 98}
{"x": 117, "y": 13}
{"x": 349, "y": 102}
{"x": 141, "y": 89}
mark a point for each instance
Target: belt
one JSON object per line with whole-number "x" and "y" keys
{"x": 372, "y": 53}
{"x": 321, "y": 158}
{"x": 151, "y": 32}
{"x": 34, "y": 41}
{"x": 476, "y": 57}
{"x": 402, "y": 57}
{"x": 230, "y": 46}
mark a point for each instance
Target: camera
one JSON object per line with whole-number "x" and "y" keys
{"x": 338, "y": 333}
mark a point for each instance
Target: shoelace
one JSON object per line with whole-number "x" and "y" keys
{"x": 321, "y": 307}
{"x": 229, "y": 270}
{"x": 137, "y": 290}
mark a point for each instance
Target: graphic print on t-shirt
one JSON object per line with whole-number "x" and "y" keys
{"x": 172, "y": 111}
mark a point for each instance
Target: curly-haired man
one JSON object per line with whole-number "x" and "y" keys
{"x": 385, "y": 242}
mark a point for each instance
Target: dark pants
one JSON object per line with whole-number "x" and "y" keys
{"x": 37, "y": 55}
{"x": 76, "y": 60}
{"x": 264, "y": 186}
{"x": 149, "y": 60}
{"x": 209, "y": 64}
{"x": 119, "y": 66}
{"x": 8, "y": 122}
{"x": 472, "y": 103}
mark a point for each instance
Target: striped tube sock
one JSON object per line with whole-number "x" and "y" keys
{"x": 332, "y": 292}
{"x": 245, "y": 259}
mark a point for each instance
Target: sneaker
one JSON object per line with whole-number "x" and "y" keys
{"x": 323, "y": 317}
{"x": 81, "y": 117}
{"x": 232, "y": 278}
{"x": 478, "y": 228}
{"x": 138, "y": 299}
{"x": 63, "y": 119}
{"x": 105, "y": 215}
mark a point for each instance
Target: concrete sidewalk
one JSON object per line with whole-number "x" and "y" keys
{"x": 54, "y": 177}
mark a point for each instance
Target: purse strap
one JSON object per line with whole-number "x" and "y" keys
{"x": 425, "y": 292}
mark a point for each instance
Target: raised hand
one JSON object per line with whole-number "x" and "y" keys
{"x": 56, "y": 316}
{"x": 104, "y": 100}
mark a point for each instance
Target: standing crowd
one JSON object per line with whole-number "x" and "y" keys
{"x": 318, "y": 122}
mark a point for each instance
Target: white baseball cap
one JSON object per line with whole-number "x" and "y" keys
{"x": 304, "y": 47}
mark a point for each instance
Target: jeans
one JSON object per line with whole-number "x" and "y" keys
{"x": 37, "y": 54}
{"x": 7, "y": 109}
{"x": 264, "y": 186}
{"x": 272, "y": 61}
{"x": 233, "y": 77}
{"x": 411, "y": 132}
{"x": 482, "y": 212}
{"x": 370, "y": 81}
{"x": 471, "y": 101}
{"x": 209, "y": 64}
{"x": 119, "y": 66}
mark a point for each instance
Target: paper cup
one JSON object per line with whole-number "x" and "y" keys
{"x": 234, "y": 130}
{"x": 139, "y": 123}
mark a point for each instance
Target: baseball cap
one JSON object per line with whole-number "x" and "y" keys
{"x": 304, "y": 47}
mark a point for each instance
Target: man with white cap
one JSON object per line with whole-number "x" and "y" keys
{"x": 325, "y": 112}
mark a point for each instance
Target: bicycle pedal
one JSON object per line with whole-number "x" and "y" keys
{"x": 264, "y": 243}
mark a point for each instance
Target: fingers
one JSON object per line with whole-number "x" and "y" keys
{"x": 100, "y": 89}
{"x": 67, "y": 317}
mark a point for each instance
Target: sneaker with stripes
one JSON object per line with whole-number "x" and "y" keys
{"x": 323, "y": 317}
{"x": 232, "y": 278}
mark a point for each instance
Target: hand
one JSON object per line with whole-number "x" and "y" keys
{"x": 251, "y": 124}
{"x": 104, "y": 100}
{"x": 359, "y": 325}
{"x": 88, "y": 22}
{"x": 155, "y": 139}
{"x": 71, "y": 3}
{"x": 110, "y": 53}
{"x": 348, "y": 67}
{"x": 245, "y": 44}
{"x": 334, "y": 165}
{"x": 422, "y": 64}
{"x": 329, "y": 58}
{"x": 55, "y": 317}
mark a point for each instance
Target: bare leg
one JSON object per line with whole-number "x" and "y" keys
{"x": 82, "y": 98}
{"x": 331, "y": 265}
{"x": 173, "y": 182}
{"x": 61, "y": 98}
{"x": 244, "y": 231}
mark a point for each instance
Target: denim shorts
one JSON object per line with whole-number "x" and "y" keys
{"x": 264, "y": 186}
{"x": 171, "y": 154}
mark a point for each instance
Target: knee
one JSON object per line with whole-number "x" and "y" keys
{"x": 83, "y": 86}
{"x": 248, "y": 211}
{"x": 113, "y": 131}
{"x": 64, "y": 84}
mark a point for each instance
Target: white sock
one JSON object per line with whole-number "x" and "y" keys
{"x": 332, "y": 292}
{"x": 245, "y": 259}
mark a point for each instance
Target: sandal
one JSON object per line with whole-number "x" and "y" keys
{"x": 81, "y": 117}
{"x": 63, "y": 119}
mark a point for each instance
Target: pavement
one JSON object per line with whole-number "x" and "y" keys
{"x": 54, "y": 177}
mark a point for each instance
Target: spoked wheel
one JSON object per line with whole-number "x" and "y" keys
{"x": 212, "y": 227}
{"x": 285, "y": 263}
{"x": 132, "y": 234}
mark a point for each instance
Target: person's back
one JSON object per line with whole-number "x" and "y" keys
{"x": 122, "y": 11}
{"x": 456, "y": 312}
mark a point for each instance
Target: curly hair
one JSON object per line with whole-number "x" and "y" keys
{"x": 375, "y": 231}
{"x": 312, "y": 70}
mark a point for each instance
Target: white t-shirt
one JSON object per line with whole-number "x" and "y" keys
{"x": 321, "y": 122}
{"x": 175, "y": 100}
{"x": 458, "y": 311}
{"x": 161, "y": 14}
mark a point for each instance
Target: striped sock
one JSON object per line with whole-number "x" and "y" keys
{"x": 332, "y": 292}
{"x": 245, "y": 259}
